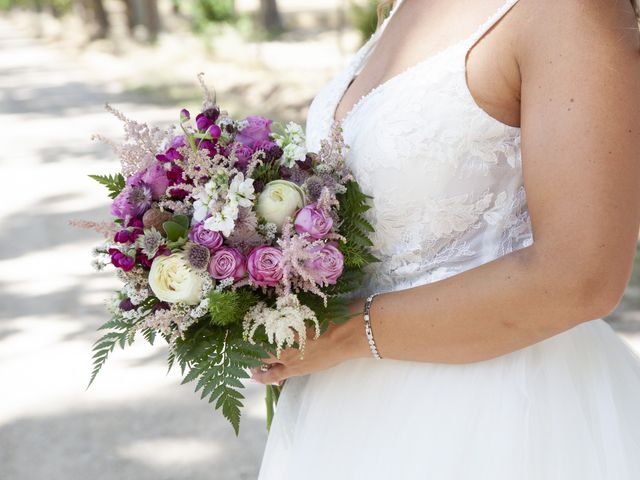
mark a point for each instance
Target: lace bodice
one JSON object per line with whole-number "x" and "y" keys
{"x": 446, "y": 176}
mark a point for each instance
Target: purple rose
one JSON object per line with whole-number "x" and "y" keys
{"x": 258, "y": 129}
{"x": 327, "y": 265}
{"x": 207, "y": 238}
{"x": 155, "y": 176}
{"x": 314, "y": 221}
{"x": 265, "y": 264}
{"x": 227, "y": 262}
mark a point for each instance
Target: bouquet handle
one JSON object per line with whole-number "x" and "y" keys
{"x": 271, "y": 398}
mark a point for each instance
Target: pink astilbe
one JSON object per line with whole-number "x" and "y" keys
{"x": 140, "y": 143}
{"x": 297, "y": 251}
{"x": 108, "y": 229}
{"x": 332, "y": 154}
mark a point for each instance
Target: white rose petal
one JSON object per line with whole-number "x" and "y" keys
{"x": 279, "y": 200}
{"x": 173, "y": 281}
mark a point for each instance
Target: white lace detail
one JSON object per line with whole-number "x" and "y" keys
{"x": 446, "y": 177}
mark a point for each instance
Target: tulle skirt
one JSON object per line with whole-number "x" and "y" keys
{"x": 565, "y": 408}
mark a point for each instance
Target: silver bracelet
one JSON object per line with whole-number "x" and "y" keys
{"x": 367, "y": 326}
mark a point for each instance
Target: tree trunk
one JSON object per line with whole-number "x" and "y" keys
{"x": 270, "y": 16}
{"x": 152, "y": 19}
{"x": 102, "y": 19}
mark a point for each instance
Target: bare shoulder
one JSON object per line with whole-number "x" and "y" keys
{"x": 573, "y": 30}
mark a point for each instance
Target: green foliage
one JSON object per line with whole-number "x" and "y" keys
{"x": 122, "y": 333}
{"x": 267, "y": 172}
{"x": 230, "y": 306}
{"x": 213, "y": 11}
{"x": 114, "y": 183}
{"x": 217, "y": 361}
{"x": 176, "y": 230}
{"x": 355, "y": 227}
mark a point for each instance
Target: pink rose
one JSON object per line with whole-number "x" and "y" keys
{"x": 257, "y": 130}
{"x": 314, "y": 221}
{"x": 265, "y": 265}
{"x": 227, "y": 262}
{"x": 207, "y": 238}
{"x": 327, "y": 265}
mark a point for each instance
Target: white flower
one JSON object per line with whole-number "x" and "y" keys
{"x": 241, "y": 191}
{"x": 173, "y": 281}
{"x": 279, "y": 200}
{"x": 223, "y": 221}
{"x": 200, "y": 211}
{"x": 293, "y": 153}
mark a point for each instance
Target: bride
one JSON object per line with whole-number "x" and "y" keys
{"x": 479, "y": 127}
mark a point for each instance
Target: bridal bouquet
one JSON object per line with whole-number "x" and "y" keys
{"x": 231, "y": 241}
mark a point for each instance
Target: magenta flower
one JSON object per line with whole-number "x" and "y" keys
{"x": 314, "y": 221}
{"x": 243, "y": 154}
{"x": 227, "y": 262}
{"x": 207, "y": 238}
{"x": 184, "y": 115}
{"x": 258, "y": 129}
{"x": 265, "y": 265}
{"x": 327, "y": 266}
{"x": 271, "y": 149}
{"x": 155, "y": 176}
{"x": 120, "y": 260}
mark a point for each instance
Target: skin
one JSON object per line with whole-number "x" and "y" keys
{"x": 567, "y": 73}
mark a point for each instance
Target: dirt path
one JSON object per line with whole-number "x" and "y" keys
{"x": 135, "y": 422}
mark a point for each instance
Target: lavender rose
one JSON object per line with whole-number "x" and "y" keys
{"x": 257, "y": 130}
{"x": 314, "y": 221}
{"x": 207, "y": 238}
{"x": 227, "y": 262}
{"x": 265, "y": 265}
{"x": 327, "y": 266}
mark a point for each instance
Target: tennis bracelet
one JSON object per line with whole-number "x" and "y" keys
{"x": 367, "y": 326}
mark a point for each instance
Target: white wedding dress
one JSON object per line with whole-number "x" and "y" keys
{"x": 448, "y": 196}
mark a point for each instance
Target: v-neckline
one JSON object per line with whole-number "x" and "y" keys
{"x": 369, "y": 48}
{"x": 358, "y": 62}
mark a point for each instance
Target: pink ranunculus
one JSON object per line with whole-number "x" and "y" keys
{"x": 265, "y": 264}
{"x": 327, "y": 265}
{"x": 227, "y": 262}
{"x": 207, "y": 238}
{"x": 314, "y": 221}
{"x": 258, "y": 129}
{"x": 156, "y": 177}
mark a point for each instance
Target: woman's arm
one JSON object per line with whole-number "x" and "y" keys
{"x": 579, "y": 62}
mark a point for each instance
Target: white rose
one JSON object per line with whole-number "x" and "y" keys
{"x": 173, "y": 281}
{"x": 279, "y": 200}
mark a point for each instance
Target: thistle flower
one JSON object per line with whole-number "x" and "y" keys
{"x": 197, "y": 255}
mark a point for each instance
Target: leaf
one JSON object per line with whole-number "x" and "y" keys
{"x": 182, "y": 220}
{"x": 174, "y": 230}
{"x": 114, "y": 183}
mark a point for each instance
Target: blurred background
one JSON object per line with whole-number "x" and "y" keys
{"x": 60, "y": 61}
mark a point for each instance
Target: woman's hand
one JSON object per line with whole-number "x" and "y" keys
{"x": 339, "y": 343}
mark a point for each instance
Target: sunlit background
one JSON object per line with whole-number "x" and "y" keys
{"x": 60, "y": 61}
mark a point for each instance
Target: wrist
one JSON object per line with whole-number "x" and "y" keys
{"x": 351, "y": 334}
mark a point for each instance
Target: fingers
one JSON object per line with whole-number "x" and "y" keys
{"x": 276, "y": 374}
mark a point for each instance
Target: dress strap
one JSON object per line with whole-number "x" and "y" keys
{"x": 490, "y": 22}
